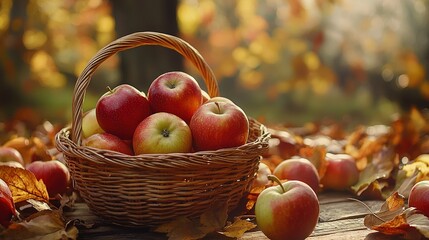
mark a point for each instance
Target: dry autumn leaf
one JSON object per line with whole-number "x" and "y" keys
{"x": 379, "y": 168}
{"x": 237, "y": 228}
{"x": 394, "y": 219}
{"x": 44, "y": 225}
{"x": 23, "y": 184}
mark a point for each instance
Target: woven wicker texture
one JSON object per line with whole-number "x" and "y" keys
{"x": 151, "y": 189}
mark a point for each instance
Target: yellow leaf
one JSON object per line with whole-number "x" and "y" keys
{"x": 23, "y": 184}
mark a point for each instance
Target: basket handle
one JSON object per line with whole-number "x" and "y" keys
{"x": 127, "y": 42}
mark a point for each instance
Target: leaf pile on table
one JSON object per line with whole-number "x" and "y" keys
{"x": 390, "y": 159}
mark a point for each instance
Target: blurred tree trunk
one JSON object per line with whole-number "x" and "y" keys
{"x": 13, "y": 69}
{"x": 140, "y": 66}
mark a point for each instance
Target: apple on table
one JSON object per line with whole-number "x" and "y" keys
{"x": 300, "y": 169}
{"x": 341, "y": 172}
{"x": 162, "y": 133}
{"x": 54, "y": 174}
{"x": 177, "y": 93}
{"x": 10, "y": 154}
{"x": 121, "y": 109}
{"x": 289, "y": 210}
{"x": 217, "y": 125}
{"x": 7, "y": 207}
{"x": 419, "y": 197}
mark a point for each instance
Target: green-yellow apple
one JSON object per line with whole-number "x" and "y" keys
{"x": 121, "y": 109}
{"x": 10, "y": 154}
{"x": 7, "y": 207}
{"x": 90, "y": 124}
{"x": 419, "y": 197}
{"x": 177, "y": 93}
{"x": 108, "y": 141}
{"x": 261, "y": 176}
{"x": 287, "y": 211}
{"x": 54, "y": 174}
{"x": 217, "y": 125}
{"x": 341, "y": 172}
{"x": 205, "y": 96}
{"x": 298, "y": 169}
{"x": 162, "y": 133}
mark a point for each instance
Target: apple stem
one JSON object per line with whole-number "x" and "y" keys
{"x": 218, "y": 107}
{"x": 276, "y": 180}
{"x": 109, "y": 89}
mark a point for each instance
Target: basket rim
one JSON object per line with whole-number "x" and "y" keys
{"x": 203, "y": 159}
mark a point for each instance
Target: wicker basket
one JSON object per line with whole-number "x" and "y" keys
{"x": 151, "y": 189}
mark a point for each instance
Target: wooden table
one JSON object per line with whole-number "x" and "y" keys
{"x": 340, "y": 218}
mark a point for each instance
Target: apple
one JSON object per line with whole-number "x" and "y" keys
{"x": 262, "y": 176}
{"x": 217, "y": 125}
{"x": 205, "y": 96}
{"x": 120, "y": 110}
{"x": 220, "y": 99}
{"x": 162, "y": 133}
{"x": 177, "y": 93}
{"x": 419, "y": 197}
{"x": 9, "y": 154}
{"x": 53, "y": 173}
{"x": 7, "y": 207}
{"x": 341, "y": 172}
{"x": 90, "y": 124}
{"x": 300, "y": 169}
{"x": 12, "y": 164}
{"x": 289, "y": 210}
{"x": 108, "y": 141}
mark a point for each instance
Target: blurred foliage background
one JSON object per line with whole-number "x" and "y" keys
{"x": 282, "y": 61}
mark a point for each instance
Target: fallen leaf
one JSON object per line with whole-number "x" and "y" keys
{"x": 215, "y": 217}
{"x": 237, "y": 228}
{"x": 23, "y": 184}
{"x": 394, "y": 219}
{"x": 44, "y": 225}
{"x": 316, "y": 155}
{"x": 380, "y": 167}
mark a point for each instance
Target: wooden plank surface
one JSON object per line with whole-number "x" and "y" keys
{"x": 340, "y": 218}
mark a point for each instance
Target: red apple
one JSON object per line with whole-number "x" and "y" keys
{"x": 90, "y": 124}
{"x": 419, "y": 197}
{"x": 120, "y": 110}
{"x": 177, "y": 93}
{"x": 162, "y": 133}
{"x": 53, "y": 173}
{"x": 217, "y": 125}
{"x": 108, "y": 141}
{"x": 262, "y": 176}
{"x": 9, "y": 154}
{"x": 341, "y": 172}
{"x": 7, "y": 207}
{"x": 287, "y": 211}
{"x": 300, "y": 169}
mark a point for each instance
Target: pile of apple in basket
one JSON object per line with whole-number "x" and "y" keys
{"x": 176, "y": 116}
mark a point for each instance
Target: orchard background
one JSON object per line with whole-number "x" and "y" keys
{"x": 289, "y": 62}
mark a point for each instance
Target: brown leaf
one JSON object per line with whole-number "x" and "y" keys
{"x": 181, "y": 228}
{"x": 23, "y": 184}
{"x": 215, "y": 217}
{"x": 394, "y": 219}
{"x": 44, "y": 225}
{"x": 316, "y": 155}
{"x": 237, "y": 228}
{"x": 380, "y": 167}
